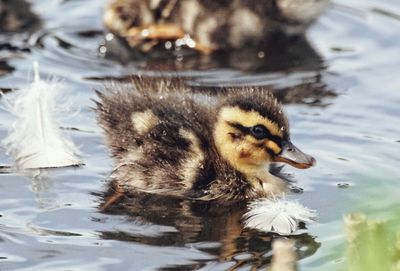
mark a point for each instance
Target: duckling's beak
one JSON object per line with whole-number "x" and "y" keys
{"x": 291, "y": 155}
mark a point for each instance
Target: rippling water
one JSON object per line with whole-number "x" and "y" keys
{"x": 342, "y": 91}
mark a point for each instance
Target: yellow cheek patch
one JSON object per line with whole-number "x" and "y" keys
{"x": 249, "y": 119}
{"x": 273, "y": 146}
{"x": 251, "y": 139}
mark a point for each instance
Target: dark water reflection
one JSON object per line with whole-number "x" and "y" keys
{"x": 281, "y": 54}
{"x": 161, "y": 221}
{"x": 341, "y": 87}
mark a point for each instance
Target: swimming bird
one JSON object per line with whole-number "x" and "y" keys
{"x": 170, "y": 143}
{"x": 208, "y": 25}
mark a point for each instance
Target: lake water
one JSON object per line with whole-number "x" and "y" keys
{"x": 342, "y": 95}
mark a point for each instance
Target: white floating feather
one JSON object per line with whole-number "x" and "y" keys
{"x": 35, "y": 139}
{"x": 277, "y": 215}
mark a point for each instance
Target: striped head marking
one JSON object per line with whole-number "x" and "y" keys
{"x": 250, "y": 140}
{"x": 247, "y": 139}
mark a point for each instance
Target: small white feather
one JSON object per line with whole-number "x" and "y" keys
{"x": 277, "y": 215}
{"x": 35, "y": 139}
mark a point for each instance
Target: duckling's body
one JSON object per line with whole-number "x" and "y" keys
{"x": 208, "y": 25}
{"x": 173, "y": 145}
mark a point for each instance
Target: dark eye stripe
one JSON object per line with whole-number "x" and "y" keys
{"x": 276, "y": 139}
{"x": 243, "y": 129}
{"x": 247, "y": 131}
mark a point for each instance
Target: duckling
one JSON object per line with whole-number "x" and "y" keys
{"x": 207, "y": 25}
{"x": 172, "y": 144}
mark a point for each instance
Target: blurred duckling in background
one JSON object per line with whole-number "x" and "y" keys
{"x": 17, "y": 16}
{"x": 208, "y": 25}
{"x": 171, "y": 144}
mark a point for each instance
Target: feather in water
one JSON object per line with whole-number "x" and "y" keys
{"x": 277, "y": 215}
{"x": 35, "y": 139}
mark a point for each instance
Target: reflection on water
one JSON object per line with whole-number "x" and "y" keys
{"x": 341, "y": 89}
{"x": 162, "y": 221}
{"x": 5, "y": 68}
{"x": 41, "y": 186}
{"x": 281, "y": 53}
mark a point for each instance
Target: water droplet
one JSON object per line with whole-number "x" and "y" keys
{"x": 145, "y": 32}
{"x": 168, "y": 45}
{"x": 179, "y": 42}
{"x": 109, "y": 36}
{"x": 189, "y": 41}
{"x": 102, "y": 50}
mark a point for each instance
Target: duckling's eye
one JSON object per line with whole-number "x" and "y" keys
{"x": 259, "y": 131}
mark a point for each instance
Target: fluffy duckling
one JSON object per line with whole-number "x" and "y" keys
{"x": 171, "y": 144}
{"x": 208, "y": 25}
{"x": 174, "y": 145}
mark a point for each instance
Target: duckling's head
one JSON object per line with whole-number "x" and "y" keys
{"x": 251, "y": 131}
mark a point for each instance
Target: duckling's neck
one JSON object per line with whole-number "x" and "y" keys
{"x": 262, "y": 181}
{"x": 266, "y": 184}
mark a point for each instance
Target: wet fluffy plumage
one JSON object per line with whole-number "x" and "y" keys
{"x": 164, "y": 142}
